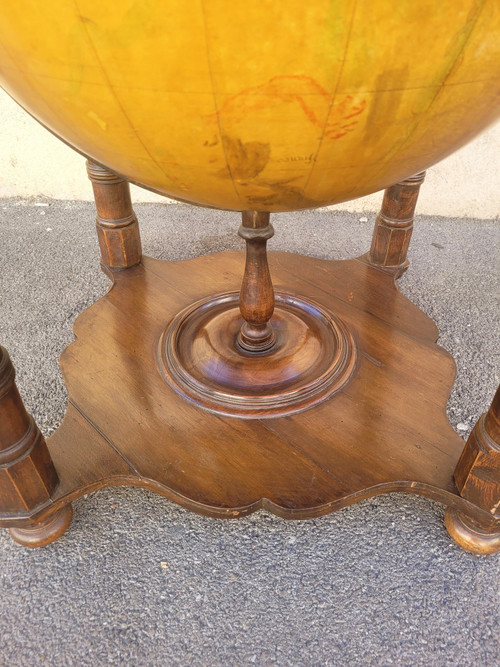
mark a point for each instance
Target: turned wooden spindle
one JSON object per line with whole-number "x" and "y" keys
{"x": 28, "y": 478}
{"x": 117, "y": 226}
{"x": 477, "y": 477}
{"x": 394, "y": 225}
{"x": 257, "y": 292}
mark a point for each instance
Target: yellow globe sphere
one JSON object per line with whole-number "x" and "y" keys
{"x": 267, "y": 105}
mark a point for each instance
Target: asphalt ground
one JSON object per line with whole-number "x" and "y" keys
{"x": 137, "y": 580}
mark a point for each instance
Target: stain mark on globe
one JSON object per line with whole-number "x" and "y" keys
{"x": 245, "y": 159}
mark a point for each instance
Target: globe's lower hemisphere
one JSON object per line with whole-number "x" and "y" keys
{"x": 270, "y": 105}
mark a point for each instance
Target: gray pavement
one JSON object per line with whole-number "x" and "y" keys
{"x": 137, "y": 580}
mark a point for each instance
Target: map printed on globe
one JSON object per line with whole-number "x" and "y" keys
{"x": 268, "y": 105}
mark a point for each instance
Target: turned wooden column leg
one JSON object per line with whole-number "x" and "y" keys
{"x": 477, "y": 477}
{"x": 117, "y": 226}
{"x": 257, "y": 292}
{"x": 394, "y": 225}
{"x": 27, "y": 475}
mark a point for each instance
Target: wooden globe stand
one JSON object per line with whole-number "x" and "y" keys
{"x": 303, "y": 401}
{"x": 255, "y": 353}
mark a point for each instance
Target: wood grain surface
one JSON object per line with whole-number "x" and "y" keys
{"x": 385, "y": 431}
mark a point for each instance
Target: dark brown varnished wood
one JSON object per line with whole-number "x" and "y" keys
{"x": 27, "y": 475}
{"x": 394, "y": 225}
{"x": 330, "y": 392}
{"x": 116, "y": 222}
{"x": 45, "y": 532}
{"x": 256, "y": 293}
{"x": 385, "y": 431}
{"x": 256, "y": 360}
{"x": 312, "y": 357}
{"x": 28, "y": 478}
{"x": 477, "y": 476}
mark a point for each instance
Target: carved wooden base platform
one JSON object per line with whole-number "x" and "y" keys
{"x": 384, "y": 430}
{"x": 302, "y": 401}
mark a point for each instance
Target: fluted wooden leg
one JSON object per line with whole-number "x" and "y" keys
{"x": 28, "y": 478}
{"x": 394, "y": 225}
{"x": 117, "y": 226}
{"x": 477, "y": 476}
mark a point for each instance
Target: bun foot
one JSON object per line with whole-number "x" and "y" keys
{"x": 44, "y": 533}
{"x": 469, "y": 535}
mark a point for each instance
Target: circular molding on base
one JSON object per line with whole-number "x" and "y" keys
{"x": 44, "y": 533}
{"x": 468, "y": 536}
{"x": 313, "y": 356}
